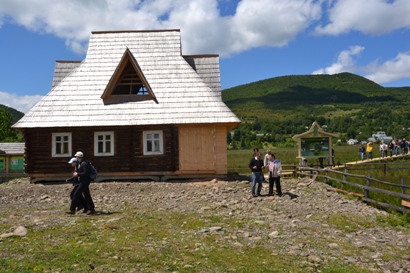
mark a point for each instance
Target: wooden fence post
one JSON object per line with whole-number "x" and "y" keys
{"x": 344, "y": 177}
{"x": 384, "y": 168}
{"x": 366, "y": 191}
{"x": 325, "y": 178}
{"x": 403, "y": 189}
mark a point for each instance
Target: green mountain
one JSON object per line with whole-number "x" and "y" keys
{"x": 344, "y": 102}
{"x": 15, "y": 114}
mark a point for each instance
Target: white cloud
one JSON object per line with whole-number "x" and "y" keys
{"x": 256, "y": 22}
{"x": 391, "y": 70}
{"x": 270, "y": 23}
{"x": 374, "y": 17}
{"x": 344, "y": 63}
{"x": 21, "y": 103}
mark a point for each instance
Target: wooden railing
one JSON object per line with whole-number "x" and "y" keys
{"x": 367, "y": 186}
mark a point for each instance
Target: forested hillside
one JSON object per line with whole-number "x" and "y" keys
{"x": 15, "y": 114}
{"x": 348, "y": 104}
{"x": 9, "y": 116}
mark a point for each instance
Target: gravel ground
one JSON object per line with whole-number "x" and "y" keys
{"x": 303, "y": 222}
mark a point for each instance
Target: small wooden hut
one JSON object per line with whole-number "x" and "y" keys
{"x": 136, "y": 107}
{"x": 315, "y": 144}
{"x": 11, "y": 160}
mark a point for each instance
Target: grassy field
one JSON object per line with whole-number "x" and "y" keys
{"x": 239, "y": 159}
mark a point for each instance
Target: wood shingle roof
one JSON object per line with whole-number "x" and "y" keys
{"x": 185, "y": 94}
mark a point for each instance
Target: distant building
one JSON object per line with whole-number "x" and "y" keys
{"x": 379, "y": 135}
{"x": 12, "y": 157}
{"x": 387, "y": 139}
{"x": 372, "y": 139}
{"x": 352, "y": 141}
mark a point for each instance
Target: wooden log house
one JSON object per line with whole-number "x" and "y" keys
{"x": 136, "y": 107}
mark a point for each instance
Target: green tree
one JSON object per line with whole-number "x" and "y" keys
{"x": 228, "y": 138}
{"x": 7, "y": 134}
{"x": 351, "y": 132}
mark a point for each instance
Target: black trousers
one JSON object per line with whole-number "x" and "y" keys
{"x": 82, "y": 190}
{"x": 276, "y": 181}
{"x": 82, "y": 203}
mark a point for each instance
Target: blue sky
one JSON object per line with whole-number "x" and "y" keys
{"x": 256, "y": 39}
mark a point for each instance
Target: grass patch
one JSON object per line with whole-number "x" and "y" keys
{"x": 155, "y": 241}
{"x": 348, "y": 224}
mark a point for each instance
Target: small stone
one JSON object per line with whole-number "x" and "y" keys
{"x": 333, "y": 245}
{"x": 215, "y": 229}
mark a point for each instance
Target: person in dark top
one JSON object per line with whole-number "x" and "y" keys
{"x": 83, "y": 175}
{"x": 257, "y": 166}
{"x": 362, "y": 151}
{"x": 391, "y": 147}
{"x": 83, "y": 205}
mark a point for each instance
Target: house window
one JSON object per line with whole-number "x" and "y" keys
{"x": 103, "y": 143}
{"x": 61, "y": 144}
{"x": 153, "y": 143}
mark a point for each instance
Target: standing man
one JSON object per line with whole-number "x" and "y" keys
{"x": 82, "y": 172}
{"x": 362, "y": 151}
{"x": 256, "y": 165}
{"x": 275, "y": 170}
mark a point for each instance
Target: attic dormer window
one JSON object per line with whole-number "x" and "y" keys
{"x": 128, "y": 83}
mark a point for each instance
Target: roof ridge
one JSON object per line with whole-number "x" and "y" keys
{"x": 134, "y": 31}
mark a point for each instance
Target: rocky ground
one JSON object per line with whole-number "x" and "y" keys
{"x": 311, "y": 220}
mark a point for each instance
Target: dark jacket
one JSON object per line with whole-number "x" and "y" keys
{"x": 74, "y": 179}
{"x": 257, "y": 163}
{"x": 83, "y": 171}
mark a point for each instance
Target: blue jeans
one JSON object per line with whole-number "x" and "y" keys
{"x": 362, "y": 156}
{"x": 257, "y": 177}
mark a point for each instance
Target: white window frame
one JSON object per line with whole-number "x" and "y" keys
{"x": 146, "y": 139}
{"x": 54, "y": 143}
{"x": 104, "y": 153}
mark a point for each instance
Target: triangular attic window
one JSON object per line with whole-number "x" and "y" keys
{"x": 128, "y": 83}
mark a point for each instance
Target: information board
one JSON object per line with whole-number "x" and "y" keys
{"x": 315, "y": 147}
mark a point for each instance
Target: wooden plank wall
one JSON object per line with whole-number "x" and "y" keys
{"x": 202, "y": 149}
{"x": 188, "y": 149}
{"x": 221, "y": 166}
